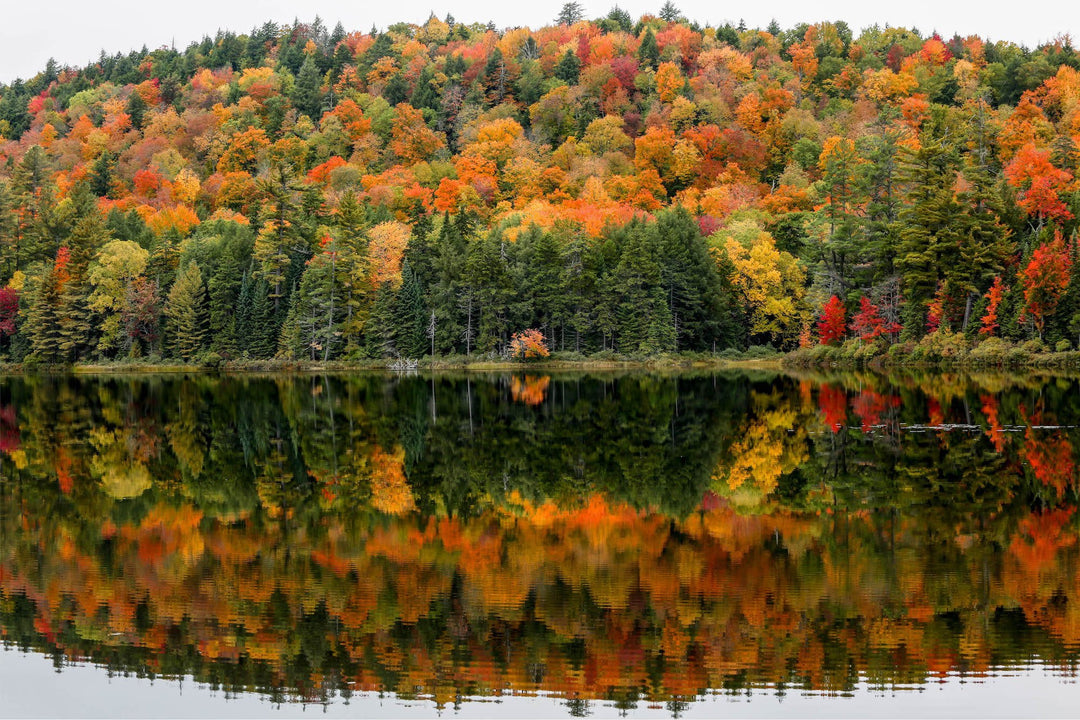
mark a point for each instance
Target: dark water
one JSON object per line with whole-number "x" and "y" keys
{"x": 678, "y": 545}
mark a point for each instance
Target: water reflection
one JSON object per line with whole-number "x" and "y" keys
{"x": 636, "y": 539}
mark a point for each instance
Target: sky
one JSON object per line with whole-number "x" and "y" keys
{"x": 74, "y": 32}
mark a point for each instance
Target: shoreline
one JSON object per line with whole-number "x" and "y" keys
{"x": 821, "y": 358}
{"x": 663, "y": 364}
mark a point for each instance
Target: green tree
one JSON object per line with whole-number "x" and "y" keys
{"x": 410, "y": 317}
{"x": 186, "y": 312}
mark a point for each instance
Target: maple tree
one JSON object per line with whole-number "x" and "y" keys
{"x": 528, "y": 345}
{"x": 831, "y": 327}
{"x": 1045, "y": 278}
{"x": 868, "y": 324}
{"x": 994, "y": 297}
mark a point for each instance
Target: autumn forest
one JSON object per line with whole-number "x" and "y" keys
{"x": 610, "y": 186}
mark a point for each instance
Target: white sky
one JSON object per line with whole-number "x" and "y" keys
{"x": 75, "y": 31}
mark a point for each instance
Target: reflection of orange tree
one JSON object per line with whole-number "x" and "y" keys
{"x": 1049, "y": 454}
{"x": 390, "y": 492}
{"x": 593, "y": 594}
{"x": 529, "y": 390}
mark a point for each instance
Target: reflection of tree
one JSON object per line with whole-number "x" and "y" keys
{"x": 371, "y": 534}
{"x": 529, "y": 389}
{"x": 771, "y": 444}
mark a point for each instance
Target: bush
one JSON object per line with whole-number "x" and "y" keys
{"x": 209, "y": 360}
{"x": 940, "y": 346}
{"x": 991, "y": 351}
{"x": 1063, "y": 346}
{"x": 528, "y": 345}
{"x": 759, "y": 352}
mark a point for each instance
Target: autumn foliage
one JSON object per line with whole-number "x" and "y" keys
{"x": 868, "y": 324}
{"x": 803, "y": 164}
{"x": 832, "y": 324}
{"x": 1045, "y": 278}
{"x": 528, "y": 345}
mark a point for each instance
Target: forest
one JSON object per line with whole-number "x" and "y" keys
{"x": 609, "y": 186}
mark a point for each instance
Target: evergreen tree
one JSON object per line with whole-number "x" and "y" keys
{"x": 379, "y": 331}
{"x": 186, "y": 312}
{"x": 698, "y": 308}
{"x": 488, "y": 273}
{"x": 307, "y": 93}
{"x": 451, "y": 254}
{"x": 410, "y": 317}
{"x": 569, "y": 68}
{"x": 649, "y": 51}
{"x": 570, "y": 13}
{"x": 927, "y": 229}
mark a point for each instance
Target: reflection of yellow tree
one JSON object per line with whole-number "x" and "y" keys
{"x": 390, "y": 492}
{"x": 122, "y": 474}
{"x": 771, "y": 444}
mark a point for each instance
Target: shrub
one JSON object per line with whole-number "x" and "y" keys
{"x": 528, "y": 345}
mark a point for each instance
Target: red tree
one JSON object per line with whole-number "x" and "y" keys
{"x": 831, "y": 326}
{"x": 868, "y": 323}
{"x": 9, "y": 310}
{"x": 1039, "y": 183}
{"x": 1045, "y": 279}
{"x": 990, "y": 319}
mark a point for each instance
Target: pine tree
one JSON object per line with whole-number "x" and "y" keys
{"x": 264, "y": 325}
{"x": 569, "y": 68}
{"x": 661, "y": 335}
{"x": 570, "y": 13}
{"x": 42, "y": 321}
{"x": 649, "y": 51}
{"x": 410, "y": 317}
{"x": 699, "y": 309}
{"x": 315, "y": 315}
{"x": 352, "y": 241}
{"x": 186, "y": 312}
{"x": 450, "y": 259}
{"x": 379, "y": 331}
{"x": 928, "y": 232}
{"x": 488, "y": 275}
{"x": 78, "y": 332}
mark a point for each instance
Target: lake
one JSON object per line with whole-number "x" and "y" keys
{"x": 698, "y": 544}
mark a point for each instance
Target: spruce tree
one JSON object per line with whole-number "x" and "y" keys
{"x": 649, "y": 51}
{"x": 410, "y": 317}
{"x": 379, "y": 331}
{"x": 569, "y": 68}
{"x": 186, "y": 312}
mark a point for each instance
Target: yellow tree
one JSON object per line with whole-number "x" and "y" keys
{"x": 770, "y": 282}
{"x": 113, "y": 271}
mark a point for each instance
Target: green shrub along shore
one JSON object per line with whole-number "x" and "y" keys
{"x": 758, "y": 356}
{"x": 938, "y": 349}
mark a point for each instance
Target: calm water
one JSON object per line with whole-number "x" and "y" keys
{"x": 670, "y": 545}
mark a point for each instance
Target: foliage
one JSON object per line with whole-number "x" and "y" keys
{"x": 637, "y": 187}
{"x": 528, "y": 345}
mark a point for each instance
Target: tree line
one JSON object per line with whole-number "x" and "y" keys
{"x": 609, "y": 185}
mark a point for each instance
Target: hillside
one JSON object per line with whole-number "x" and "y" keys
{"x": 640, "y": 187}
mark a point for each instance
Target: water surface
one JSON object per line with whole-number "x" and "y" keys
{"x": 535, "y": 544}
